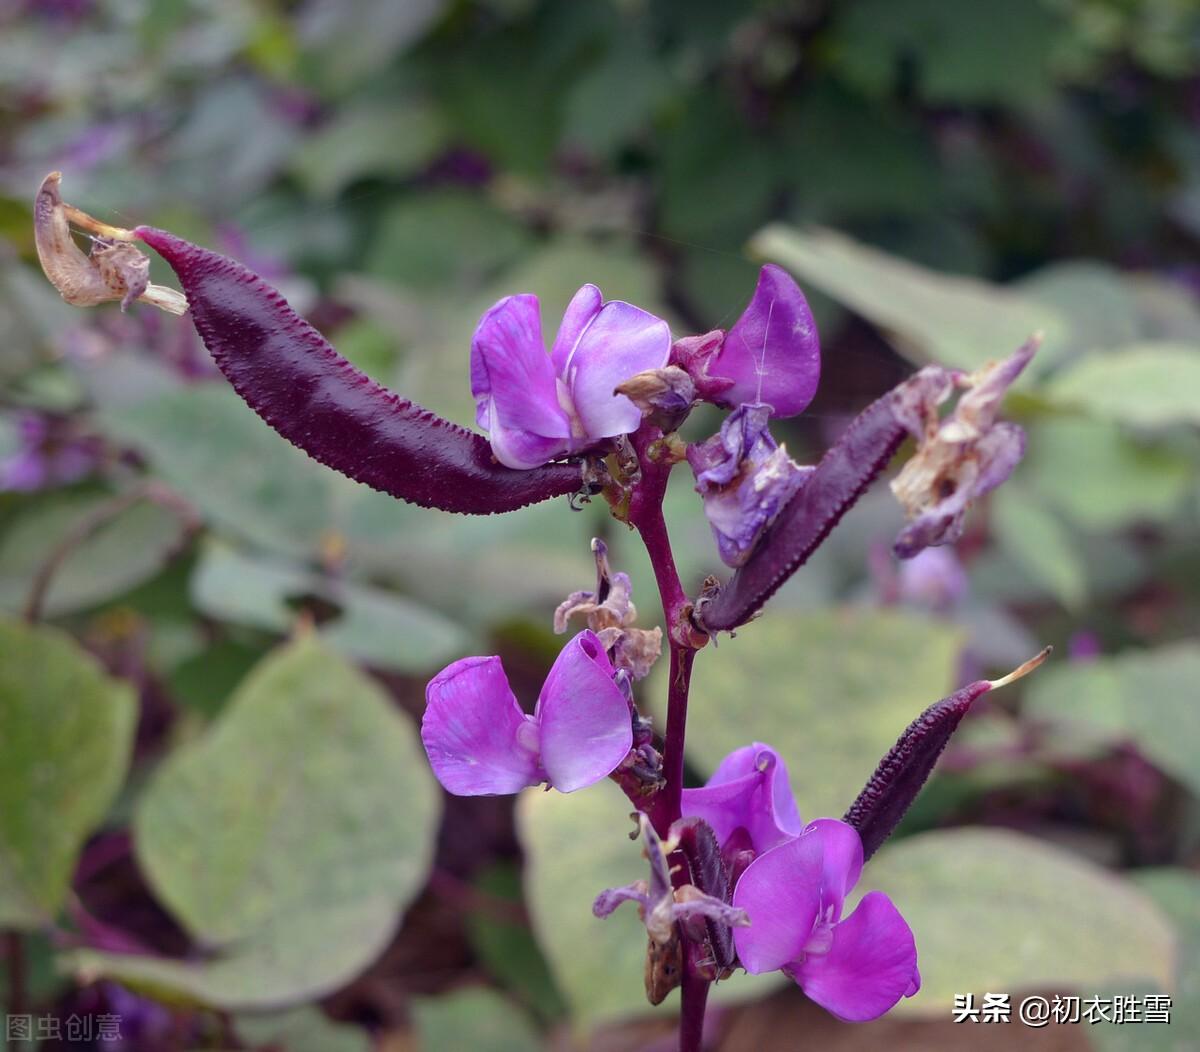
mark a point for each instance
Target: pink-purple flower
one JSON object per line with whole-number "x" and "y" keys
{"x": 791, "y": 881}
{"x": 856, "y": 967}
{"x": 772, "y": 354}
{"x": 748, "y": 801}
{"x": 537, "y": 406}
{"x": 481, "y": 743}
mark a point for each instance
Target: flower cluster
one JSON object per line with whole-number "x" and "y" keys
{"x": 789, "y": 886}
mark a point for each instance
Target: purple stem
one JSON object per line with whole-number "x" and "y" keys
{"x": 646, "y": 514}
{"x": 693, "y": 997}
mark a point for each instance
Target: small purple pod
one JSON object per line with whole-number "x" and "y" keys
{"x": 291, "y": 376}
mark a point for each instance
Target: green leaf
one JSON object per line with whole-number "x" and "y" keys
{"x": 1097, "y": 300}
{"x": 959, "y": 53}
{"x": 616, "y": 99}
{"x": 479, "y": 1019}
{"x": 829, "y": 690}
{"x": 209, "y": 445}
{"x": 287, "y": 840}
{"x": 124, "y": 552}
{"x": 577, "y": 845}
{"x": 387, "y": 139}
{"x": 928, "y": 316}
{"x": 1099, "y": 477}
{"x": 1035, "y": 538}
{"x": 507, "y": 947}
{"x": 1177, "y": 893}
{"x": 381, "y": 628}
{"x": 1144, "y": 696}
{"x": 1146, "y": 385}
{"x": 431, "y": 239}
{"x": 64, "y": 749}
{"x": 997, "y": 911}
{"x": 306, "y": 1029}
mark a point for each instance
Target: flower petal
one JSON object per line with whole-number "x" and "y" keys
{"x": 749, "y": 790}
{"x": 584, "y": 719}
{"x": 509, "y": 366}
{"x": 621, "y": 341}
{"x": 478, "y": 740}
{"x": 781, "y": 893}
{"x": 870, "y": 966}
{"x": 584, "y": 306}
{"x": 772, "y": 353}
{"x": 516, "y": 448}
{"x": 842, "y": 860}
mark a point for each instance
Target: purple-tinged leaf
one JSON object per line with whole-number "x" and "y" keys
{"x": 900, "y": 775}
{"x": 294, "y": 379}
{"x": 841, "y": 477}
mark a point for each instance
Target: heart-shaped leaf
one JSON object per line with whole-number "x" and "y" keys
{"x": 66, "y": 729}
{"x": 287, "y": 840}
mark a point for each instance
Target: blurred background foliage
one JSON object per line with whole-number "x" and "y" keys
{"x": 215, "y": 819}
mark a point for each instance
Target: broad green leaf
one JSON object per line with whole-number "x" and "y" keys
{"x": 955, "y": 53}
{"x": 1148, "y": 697}
{"x": 287, "y": 840}
{"x": 1177, "y": 892}
{"x": 829, "y": 690}
{"x": 122, "y": 553}
{"x": 930, "y": 316}
{"x": 577, "y": 845}
{"x": 1035, "y": 538}
{"x": 1147, "y": 385}
{"x": 1096, "y": 299}
{"x": 507, "y": 947}
{"x": 391, "y": 140}
{"x": 428, "y": 240}
{"x": 1100, "y": 477}
{"x": 478, "y": 1018}
{"x": 207, "y": 443}
{"x": 66, "y": 730}
{"x": 381, "y": 628}
{"x": 998, "y": 911}
{"x": 306, "y": 1029}
{"x": 615, "y": 100}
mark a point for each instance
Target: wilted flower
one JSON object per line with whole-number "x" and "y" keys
{"x": 857, "y": 967}
{"x": 960, "y": 458}
{"x": 771, "y": 354}
{"x": 661, "y": 905}
{"x": 535, "y": 406}
{"x": 480, "y": 742}
{"x": 610, "y": 613}
{"x": 115, "y": 270}
{"x": 745, "y": 480}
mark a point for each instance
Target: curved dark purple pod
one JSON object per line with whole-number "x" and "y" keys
{"x": 907, "y": 766}
{"x": 291, "y": 376}
{"x": 847, "y": 468}
{"x": 904, "y": 770}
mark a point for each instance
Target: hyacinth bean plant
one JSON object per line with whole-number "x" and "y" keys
{"x": 735, "y": 877}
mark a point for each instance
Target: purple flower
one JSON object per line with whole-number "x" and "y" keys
{"x": 480, "y": 742}
{"x": 748, "y": 801}
{"x": 933, "y": 579}
{"x": 857, "y": 967}
{"x": 960, "y": 458}
{"x": 771, "y": 354}
{"x": 745, "y": 479}
{"x": 535, "y": 406}
{"x": 52, "y": 451}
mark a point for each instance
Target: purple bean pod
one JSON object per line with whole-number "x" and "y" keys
{"x": 841, "y": 477}
{"x": 291, "y": 376}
